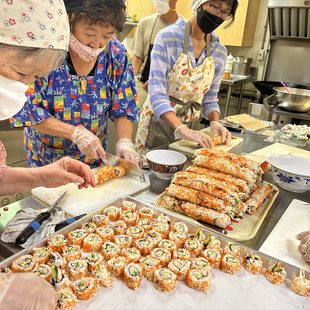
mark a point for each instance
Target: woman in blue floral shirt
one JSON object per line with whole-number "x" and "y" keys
{"x": 68, "y": 111}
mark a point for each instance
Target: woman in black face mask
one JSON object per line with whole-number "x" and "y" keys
{"x": 187, "y": 64}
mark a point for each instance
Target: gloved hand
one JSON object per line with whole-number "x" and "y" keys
{"x": 88, "y": 143}
{"x": 183, "y": 132}
{"x": 126, "y": 149}
{"x": 304, "y": 247}
{"x": 26, "y": 291}
{"x": 219, "y": 130}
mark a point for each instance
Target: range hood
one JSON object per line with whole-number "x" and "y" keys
{"x": 289, "y": 19}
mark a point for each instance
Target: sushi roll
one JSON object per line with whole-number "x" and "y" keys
{"x": 180, "y": 227}
{"x": 132, "y": 255}
{"x": 110, "y": 250}
{"x": 253, "y": 263}
{"x": 59, "y": 278}
{"x": 24, "y": 263}
{"x": 162, "y": 228}
{"x": 129, "y": 217}
{"x": 149, "y": 265}
{"x": 89, "y": 227}
{"x": 58, "y": 260}
{"x": 146, "y": 224}
{"x": 212, "y": 243}
{"x": 198, "y": 235}
{"x": 178, "y": 238}
{"x": 84, "y": 288}
{"x": 135, "y": 232}
{"x": 276, "y": 273}
{"x": 112, "y": 212}
{"x": 144, "y": 245}
{"x": 153, "y": 236}
{"x": 200, "y": 262}
{"x": 66, "y": 299}
{"x": 182, "y": 254}
{"x": 119, "y": 227}
{"x": 57, "y": 243}
{"x": 230, "y": 263}
{"x": 5, "y": 270}
{"x": 199, "y": 279}
{"x": 146, "y": 213}
{"x": 165, "y": 280}
{"x": 213, "y": 257}
{"x": 93, "y": 260}
{"x": 128, "y": 205}
{"x": 163, "y": 218}
{"x": 102, "y": 275}
{"x": 77, "y": 236}
{"x": 168, "y": 245}
{"x": 233, "y": 249}
{"x": 180, "y": 267}
{"x": 92, "y": 243}
{"x": 72, "y": 252}
{"x": 163, "y": 255}
{"x": 116, "y": 265}
{"x": 100, "y": 220}
{"x": 43, "y": 271}
{"x": 300, "y": 284}
{"x": 106, "y": 233}
{"x": 41, "y": 255}
{"x": 123, "y": 241}
{"x": 133, "y": 275}
{"x": 77, "y": 269}
{"x": 194, "y": 246}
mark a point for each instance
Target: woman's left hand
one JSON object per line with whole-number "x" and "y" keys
{"x": 219, "y": 130}
{"x": 126, "y": 149}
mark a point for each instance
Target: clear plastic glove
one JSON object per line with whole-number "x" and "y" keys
{"x": 26, "y": 291}
{"x": 304, "y": 247}
{"x": 183, "y": 132}
{"x": 88, "y": 143}
{"x": 126, "y": 149}
{"x": 219, "y": 130}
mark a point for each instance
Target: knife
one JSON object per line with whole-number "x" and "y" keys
{"x": 209, "y": 226}
{"x": 68, "y": 221}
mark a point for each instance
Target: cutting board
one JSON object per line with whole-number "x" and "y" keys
{"x": 79, "y": 201}
{"x": 188, "y": 148}
{"x": 281, "y": 243}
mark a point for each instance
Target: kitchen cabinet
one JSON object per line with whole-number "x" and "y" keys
{"x": 140, "y": 9}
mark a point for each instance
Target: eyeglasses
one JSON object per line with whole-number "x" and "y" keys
{"x": 216, "y": 10}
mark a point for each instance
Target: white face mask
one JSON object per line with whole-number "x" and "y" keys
{"x": 12, "y": 97}
{"x": 162, "y": 6}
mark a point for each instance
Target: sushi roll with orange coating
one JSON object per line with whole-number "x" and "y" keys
{"x": 132, "y": 255}
{"x": 77, "y": 236}
{"x": 92, "y": 243}
{"x": 93, "y": 259}
{"x": 43, "y": 271}
{"x": 100, "y": 220}
{"x": 57, "y": 259}
{"x": 106, "y": 233}
{"x": 300, "y": 284}
{"x": 146, "y": 224}
{"x": 102, "y": 275}
{"x": 230, "y": 263}
{"x": 180, "y": 267}
{"x": 153, "y": 236}
{"x": 146, "y": 213}
{"x": 119, "y": 227}
{"x": 144, "y": 245}
{"x": 41, "y": 255}
{"x": 116, "y": 265}
{"x": 180, "y": 227}
{"x": 129, "y": 217}
{"x": 213, "y": 257}
{"x": 162, "y": 228}
{"x": 5, "y": 270}
{"x": 199, "y": 279}
{"x": 77, "y": 269}
{"x": 110, "y": 250}
{"x": 133, "y": 275}
{"x": 89, "y": 227}
{"x": 253, "y": 263}
{"x": 163, "y": 255}
{"x": 84, "y": 288}
{"x": 149, "y": 265}
{"x": 198, "y": 235}
{"x": 123, "y": 241}
{"x": 233, "y": 249}
{"x": 66, "y": 299}
{"x": 212, "y": 243}
{"x": 200, "y": 262}
{"x": 194, "y": 246}
{"x": 182, "y": 254}
{"x": 57, "y": 243}
{"x": 136, "y": 232}
{"x": 59, "y": 278}
{"x": 165, "y": 280}
{"x": 163, "y": 218}
{"x": 112, "y": 212}
{"x": 24, "y": 263}
{"x": 128, "y": 205}
{"x": 178, "y": 238}
{"x": 72, "y": 252}
{"x": 168, "y": 245}
{"x": 276, "y": 273}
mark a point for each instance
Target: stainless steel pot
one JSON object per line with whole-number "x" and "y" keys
{"x": 242, "y": 65}
{"x": 293, "y": 99}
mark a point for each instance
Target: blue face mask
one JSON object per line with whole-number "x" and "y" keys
{"x": 208, "y": 22}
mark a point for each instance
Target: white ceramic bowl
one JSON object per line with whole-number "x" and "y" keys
{"x": 291, "y": 172}
{"x": 164, "y": 163}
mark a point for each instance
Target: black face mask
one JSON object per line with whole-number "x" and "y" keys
{"x": 208, "y": 22}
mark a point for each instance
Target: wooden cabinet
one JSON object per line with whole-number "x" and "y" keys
{"x": 184, "y": 8}
{"x": 140, "y": 8}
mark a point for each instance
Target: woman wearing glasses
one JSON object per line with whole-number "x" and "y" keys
{"x": 187, "y": 65}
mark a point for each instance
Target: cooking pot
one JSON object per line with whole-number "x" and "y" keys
{"x": 242, "y": 65}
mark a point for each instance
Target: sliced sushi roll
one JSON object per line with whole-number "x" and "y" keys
{"x": 66, "y": 299}
{"x": 253, "y": 263}
{"x": 123, "y": 241}
{"x": 153, "y": 236}
{"x": 136, "y": 232}
{"x": 57, "y": 243}
{"x": 163, "y": 255}
{"x": 165, "y": 280}
{"x": 146, "y": 224}
{"x": 199, "y": 279}
{"x": 112, "y": 212}
{"x": 84, "y": 288}
{"x": 5, "y": 270}
{"x": 77, "y": 269}
{"x": 92, "y": 243}
{"x": 212, "y": 243}
{"x": 119, "y": 227}
{"x": 57, "y": 259}
{"x": 59, "y": 278}
{"x": 100, "y": 220}
{"x": 200, "y": 262}
{"x": 180, "y": 267}
{"x": 233, "y": 249}
{"x": 128, "y": 205}
{"x": 146, "y": 213}
{"x": 194, "y": 246}
{"x": 129, "y": 217}
{"x": 230, "y": 263}
{"x": 149, "y": 265}
{"x": 182, "y": 254}
{"x": 41, "y": 255}
{"x": 163, "y": 228}
{"x": 198, "y": 235}
{"x": 102, "y": 275}
{"x": 178, "y": 238}
{"x": 133, "y": 275}
{"x": 144, "y": 245}
{"x": 72, "y": 252}
{"x": 116, "y": 265}
{"x": 132, "y": 255}
{"x": 276, "y": 273}
{"x": 43, "y": 271}
{"x": 106, "y": 233}
{"x": 89, "y": 227}
{"x": 213, "y": 257}
{"x": 93, "y": 259}
{"x": 180, "y": 227}
{"x": 24, "y": 263}
{"x": 168, "y": 245}
{"x": 77, "y": 236}
{"x": 109, "y": 250}
{"x": 163, "y": 218}
{"x": 300, "y": 284}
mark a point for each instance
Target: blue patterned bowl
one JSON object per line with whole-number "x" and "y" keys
{"x": 164, "y": 163}
{"x": 291, "y": 172}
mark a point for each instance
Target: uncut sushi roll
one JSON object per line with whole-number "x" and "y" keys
{"x": 77, "y": 236}
{"x": 153, "y": 236}
{"x": 112, "y": 212}
{"x": 133, "y": 275}
{"x": 276, "y": 273}
{"x": 213, "y": 256}
{"x": 84, "y": 288}
{"x": 116, "y": 265}
{"x": 144, "y": 245}
{"x": 162, "y": 228}
{"x": 200, "y": 262}
{"x": 77, "y": 269}
{"x": 43, "y": 271}
{"x": 146, "y": 213}
{"x": 129, "y": 217}
{"x": 100, "y": 220}
{"x": 24, "y": 263}
{"x": 123, "y": 241}
{"x": 230, "y": 263}
{"x": 57, "y": 259}
{"x": 194, "y": 246}
{"x": 119, "y": 227}
{"x": 72, "y": 252}
{"x": 92, "y": 243}
{"x": 180, "y": 227}
{"x": 109, "y": 250}
{"x": 93, "y": 259}
{"x": 135, "y": 232}
{"x": 57, "y": 243}
{"x": 253, "y": 263}
{"x": 132, "y": 255}
{"x": 199, "y": 279}
{"x": 212, "y": 243}
{"x": 168, "y": 245}
{"x": 89, "y": 227}
{"x": 165, "y": 280}
{"x": 163, "y": 255}
{"x": 300, "y": 284}
{"x": 41, "y": 255}
{"x": 128, "y": 205}
{"x": 180, "y": 267}
{"x": 182, "y": 254}
{"x": 146, "y": 224}
{"x": 106, "y": 233}
{"x": 59, "y": 278}
{"x": 178, "y": 238}
{"x": 102, "y": 275}
{"x": 66, "y": 299}
{"x": 149, "y": 265}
